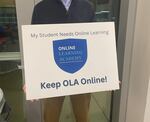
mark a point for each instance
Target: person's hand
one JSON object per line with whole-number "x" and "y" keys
{"x": 115, "y": 90}
{"x": 24, "y": 89}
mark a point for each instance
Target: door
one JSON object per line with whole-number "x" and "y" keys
{"x": 101, "y": 105}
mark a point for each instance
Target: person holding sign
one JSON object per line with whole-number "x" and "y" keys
{"x": 64, "y": 11}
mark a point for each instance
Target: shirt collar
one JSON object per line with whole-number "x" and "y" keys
{"x": 66, "y": 3}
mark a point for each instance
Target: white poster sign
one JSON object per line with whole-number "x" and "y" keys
{"x": 67, "y": 59}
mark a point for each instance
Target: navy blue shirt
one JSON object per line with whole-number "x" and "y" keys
{"x": 53, "y": 11}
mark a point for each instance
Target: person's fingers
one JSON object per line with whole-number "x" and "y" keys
{"x": 34, "y": 100}
{"x": 24, "y": 88}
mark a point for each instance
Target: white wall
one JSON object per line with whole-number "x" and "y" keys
{"x": 139, "y": 66}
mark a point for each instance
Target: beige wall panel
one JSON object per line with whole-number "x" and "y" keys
{"x": 140, "y": 65}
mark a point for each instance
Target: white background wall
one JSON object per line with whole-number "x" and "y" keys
{"x": 139, "y": 72}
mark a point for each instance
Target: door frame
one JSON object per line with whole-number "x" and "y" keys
{"x": 125, "y": 46}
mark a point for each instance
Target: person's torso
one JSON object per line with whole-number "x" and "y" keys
{"x": 53, "y": 11}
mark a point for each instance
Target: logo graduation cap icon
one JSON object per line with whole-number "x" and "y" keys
{"x": 70, "y": 54}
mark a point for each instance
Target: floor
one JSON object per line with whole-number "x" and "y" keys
{"x": 22, "y": 111}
